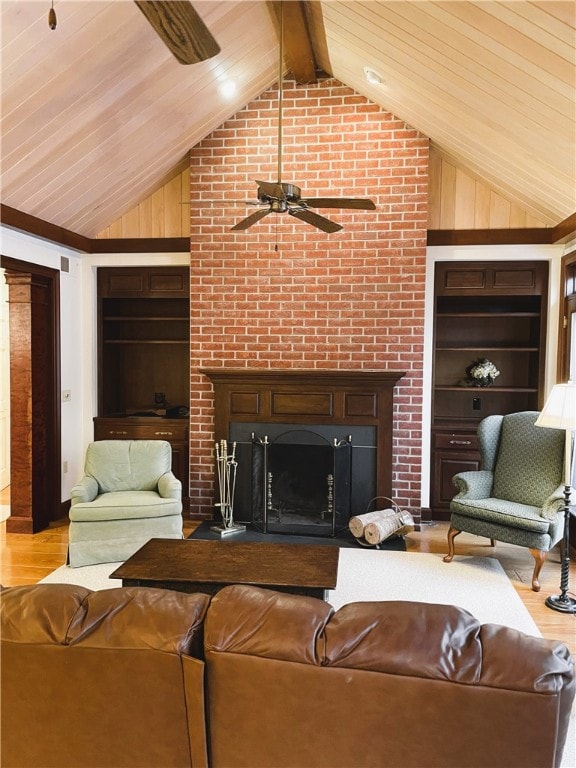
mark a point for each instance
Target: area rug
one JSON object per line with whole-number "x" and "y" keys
{"x": 344, "y": 539}
{"x": 478, "y": 584}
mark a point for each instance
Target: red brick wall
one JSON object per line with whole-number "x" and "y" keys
{"x": 284, "y": 294}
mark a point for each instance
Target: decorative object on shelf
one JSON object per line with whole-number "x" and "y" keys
{"x": 559, "y": 412}
{"x": 226, "y": 466}
{"x": 481, "y": 373}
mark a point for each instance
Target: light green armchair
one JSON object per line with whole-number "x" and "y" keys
{"x": 517, "y": 495}
{"x": 127, "y": 496}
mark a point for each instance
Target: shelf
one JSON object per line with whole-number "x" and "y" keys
{"x": 483, "y": 390}
{"x": 487, "y": 314}
{"x": 487, "y": 349}
{"x": 146, "y": 341}
{"x": 155, "y": 319}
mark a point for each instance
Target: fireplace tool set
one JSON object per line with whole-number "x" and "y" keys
{"x": 226, "y": 466}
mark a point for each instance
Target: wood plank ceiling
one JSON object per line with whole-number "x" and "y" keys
{"x": 97, "y": 114}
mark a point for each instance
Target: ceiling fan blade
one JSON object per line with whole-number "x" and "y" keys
{"x": 340, "y": 202}
{"x": 252, "y": 219}
{"x": 180, "y": 28}
{"x": 271, "y": 189}
{"x": 315, "y": 219}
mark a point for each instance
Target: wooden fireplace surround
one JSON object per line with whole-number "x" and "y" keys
{"x": 293, "y": 396}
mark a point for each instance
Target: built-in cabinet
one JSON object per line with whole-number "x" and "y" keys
{"x": 144, "y": 358}
{"x": 492, "y": 310}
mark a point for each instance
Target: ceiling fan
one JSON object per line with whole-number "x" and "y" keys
{"x": 180, "y": 28}
{"x": 281, "y": 197}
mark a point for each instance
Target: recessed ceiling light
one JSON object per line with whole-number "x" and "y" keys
{"x": 373, "y": 77}
{"x": 227, "y": 89}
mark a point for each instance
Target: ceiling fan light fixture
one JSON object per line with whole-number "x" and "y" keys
{"x": 227, "y": 89}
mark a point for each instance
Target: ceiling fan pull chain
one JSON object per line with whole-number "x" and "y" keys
{"x": 287, "y": 198}
{"x": 280, "y": 92}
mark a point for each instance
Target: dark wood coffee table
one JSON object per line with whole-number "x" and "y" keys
{"x": 195, "y": 565}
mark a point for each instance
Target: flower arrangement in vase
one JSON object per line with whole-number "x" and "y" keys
{"x": 481, "y": 373}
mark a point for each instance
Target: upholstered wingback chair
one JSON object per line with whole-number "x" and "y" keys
{"x": 517, "y": 495}
{"x": 127, "y": 496}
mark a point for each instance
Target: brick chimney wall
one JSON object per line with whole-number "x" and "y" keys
{"x": 283, "y": 294}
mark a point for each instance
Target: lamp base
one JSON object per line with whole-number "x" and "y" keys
{"x": 561, "y": 603}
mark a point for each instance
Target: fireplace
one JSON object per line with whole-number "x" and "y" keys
{"x": 314, "y": 448}
{"x": 300, "y": 483}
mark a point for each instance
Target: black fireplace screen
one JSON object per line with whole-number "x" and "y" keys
{"x": 314, "y": 451}
{"x": 301, "y": 483}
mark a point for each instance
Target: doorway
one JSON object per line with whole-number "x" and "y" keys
{"x": 4, "y": 402}
{"x": 34, "y": 406}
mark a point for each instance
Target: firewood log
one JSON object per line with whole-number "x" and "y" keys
{"x": 396, "y": 525}
{"x": 358, "y": 524}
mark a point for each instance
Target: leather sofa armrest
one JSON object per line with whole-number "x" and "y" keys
{"x": 169, "y": 487}
{"x": 473, "y": 485}
{"x": 85, "y": 490}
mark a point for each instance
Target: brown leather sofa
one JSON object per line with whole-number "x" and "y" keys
{"x": 150, "y": 678}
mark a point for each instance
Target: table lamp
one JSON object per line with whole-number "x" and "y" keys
{"x": 559, "y": 412}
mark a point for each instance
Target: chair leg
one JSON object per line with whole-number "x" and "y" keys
{"x": 452, "y": 533}
{"x": 539, "y": 556}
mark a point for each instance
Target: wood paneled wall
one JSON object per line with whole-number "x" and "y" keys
{"x": 159, "y": 215}
{"x": 456, "y": 200}
{"x": 459, "y": 200}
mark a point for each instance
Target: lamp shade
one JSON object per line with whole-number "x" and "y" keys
{"x": 559, "y": 412}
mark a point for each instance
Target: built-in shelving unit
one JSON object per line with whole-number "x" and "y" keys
{"x": 143, "y": 351}
{"x": 493, "y": 310}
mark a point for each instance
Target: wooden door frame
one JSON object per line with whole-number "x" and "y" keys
{"x": 46, "y": 443}
{"x": 567, "y": 290}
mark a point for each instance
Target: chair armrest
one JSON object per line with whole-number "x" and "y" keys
{"x": 473, "y": 485}
{"x": 553, "y": 504}
{"x": 169, "y": 487}
{"x": 85, "y": 490}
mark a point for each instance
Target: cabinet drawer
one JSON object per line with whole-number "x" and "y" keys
{"x": 127, "y": 429}
{"x": 457, "y": 441}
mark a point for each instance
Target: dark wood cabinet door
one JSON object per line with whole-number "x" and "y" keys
{"x": 452, "y": 453}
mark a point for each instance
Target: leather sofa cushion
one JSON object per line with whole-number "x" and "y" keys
{"x": 103, "y": 678}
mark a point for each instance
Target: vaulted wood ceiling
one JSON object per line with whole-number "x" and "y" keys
{"x": 97, "y": 114}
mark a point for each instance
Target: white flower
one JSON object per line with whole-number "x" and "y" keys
{"x": 484, "y": 369}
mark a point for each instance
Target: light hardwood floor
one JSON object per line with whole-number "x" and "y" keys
{"x": 27, "y": 558}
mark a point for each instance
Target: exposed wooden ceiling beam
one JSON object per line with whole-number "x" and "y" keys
{"x": 298, "y": 50}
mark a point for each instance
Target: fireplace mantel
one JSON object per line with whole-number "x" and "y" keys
{"x": 309, "y": 396}
{"x": 341, "y": 377}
